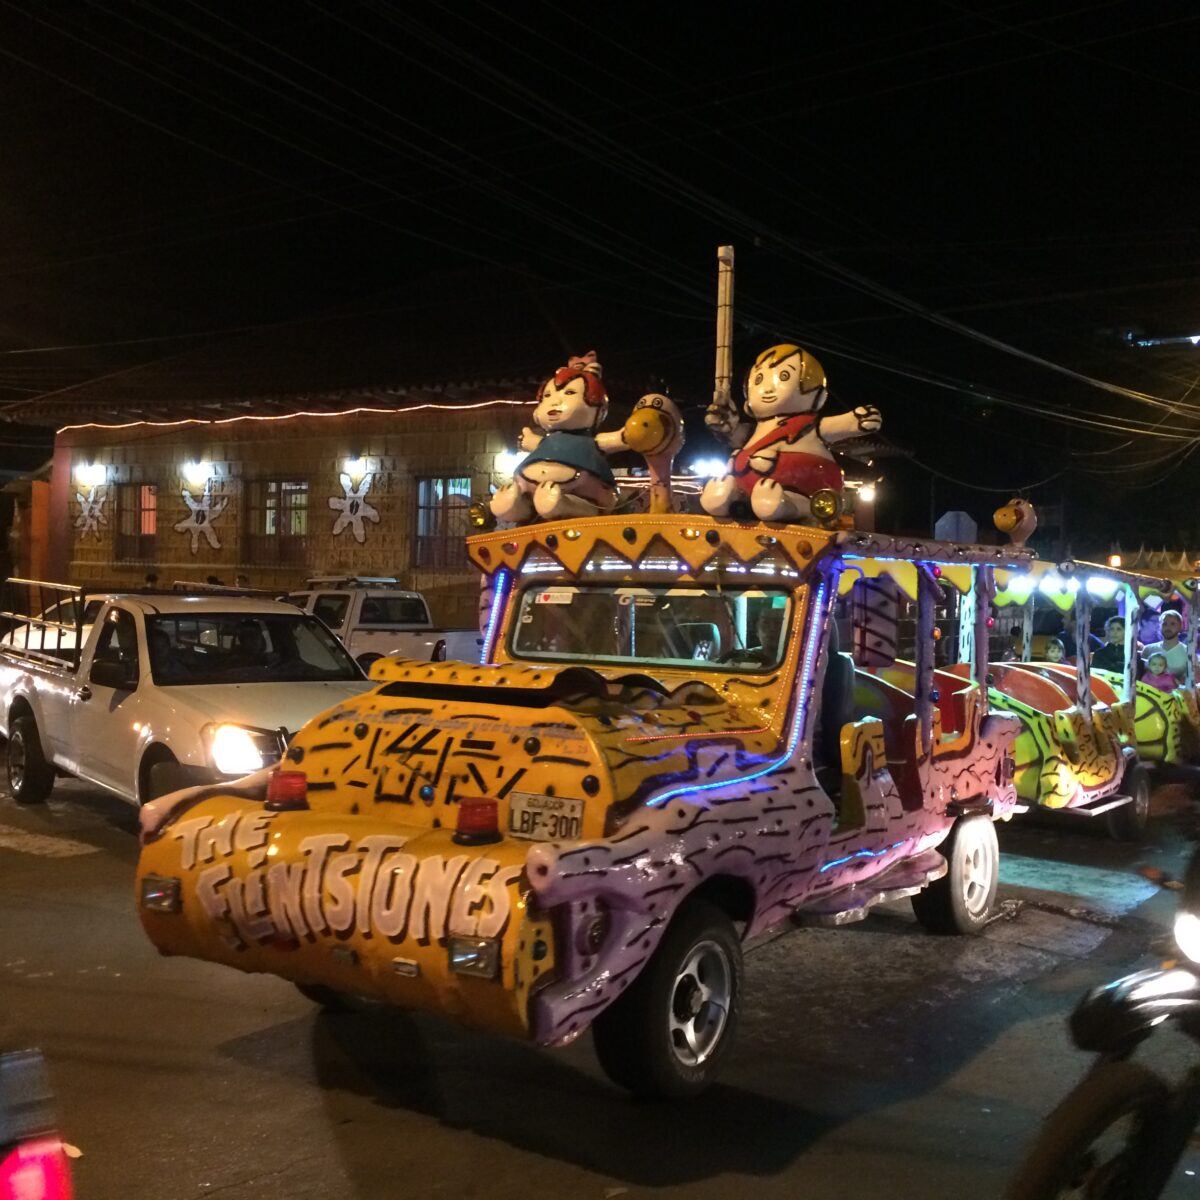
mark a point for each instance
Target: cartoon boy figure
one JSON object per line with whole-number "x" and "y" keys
{"x": 783, "y": 458}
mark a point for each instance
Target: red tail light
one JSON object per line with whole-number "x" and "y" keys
{"x": 285, "y": 790}
{"x": 478, "y": 821}
{"x": 38, "y": 1170}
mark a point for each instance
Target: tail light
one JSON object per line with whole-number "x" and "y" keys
{"x": 287, "y": 790}
{"x": 478, "y": 821}
{"x": 38, "y": 1170}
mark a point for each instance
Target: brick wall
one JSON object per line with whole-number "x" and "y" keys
{"x": 398, "y": 449}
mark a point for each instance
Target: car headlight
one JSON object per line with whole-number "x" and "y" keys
{"x": 234, "y": 750}
{"x": 1187, "y": 934}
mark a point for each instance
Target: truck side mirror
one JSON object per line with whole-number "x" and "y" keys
{"x": 121, "y": 676}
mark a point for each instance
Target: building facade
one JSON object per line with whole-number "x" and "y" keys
{"x": 278, "y": 498}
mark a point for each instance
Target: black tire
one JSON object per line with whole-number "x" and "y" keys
{"x": 640, "y": 1039}
{"x": 1128, "y": 823}
{"x": 962, "y": 900}
{"x": 164, "y": 777}
{"x": 30, "y": 776}
{"x": 1064, "y": 1160}
{"x": 325, "y": 998}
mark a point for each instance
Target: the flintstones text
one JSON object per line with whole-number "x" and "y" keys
{"x": 339, "y": 887}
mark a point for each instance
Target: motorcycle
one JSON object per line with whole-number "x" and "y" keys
{"x": 1121, "y": 1132}
{"x": 33, "y": 1159}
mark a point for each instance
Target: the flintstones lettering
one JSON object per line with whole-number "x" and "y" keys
{"x": 374, "y": 886}
{"x": 235, "y": 831}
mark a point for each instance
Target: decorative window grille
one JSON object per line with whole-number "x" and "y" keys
{"x": 442, "y": 522}
{"x": 277, "y": 522}
{"x": 137, "y": 522}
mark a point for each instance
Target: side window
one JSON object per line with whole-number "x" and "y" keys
{"x": 393, "y": 610}
{"x": 118, "y": 641}
{"x": 299, "y": 599}
{"x": 331, "y": 608}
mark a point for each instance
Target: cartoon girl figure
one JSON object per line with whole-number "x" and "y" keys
{"x": 565, "y": 473}
{"x": 784, "y": 457}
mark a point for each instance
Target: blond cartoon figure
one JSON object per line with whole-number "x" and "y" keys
{"x": 783, "y": 458}
{"x": 565, "y": 473}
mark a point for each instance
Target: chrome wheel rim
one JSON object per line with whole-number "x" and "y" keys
{"x": 1141, "y": 802}
{"x": 978, "y": 873}
{"x": 700, "y": 1000}
{"x": 16, "y": 763}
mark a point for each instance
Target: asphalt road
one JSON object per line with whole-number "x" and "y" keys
{"x": 875, "y": 1062}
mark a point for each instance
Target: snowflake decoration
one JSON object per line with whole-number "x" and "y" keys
{"x": 91, "y": 512}
{"x": 352, "y": 508}
{"x": 201, "y": 515}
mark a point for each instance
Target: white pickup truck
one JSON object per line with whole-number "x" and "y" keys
{"x": 147, "y": 693}
{"x": 376, "y": 619}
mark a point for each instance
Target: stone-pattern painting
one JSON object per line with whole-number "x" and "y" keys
{"x": 352, "y": 507}
{"x": 202, "y": 515}
{"x": 91, "y": 512}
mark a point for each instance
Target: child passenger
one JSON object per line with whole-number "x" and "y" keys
{"x": 1158, "y": 674}
{"x": 1056, "y": 652}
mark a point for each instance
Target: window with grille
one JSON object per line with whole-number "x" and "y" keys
{"x": 137, "y": 522}
{"x": 442, "y": 522}
{"x": 277, "y": 521}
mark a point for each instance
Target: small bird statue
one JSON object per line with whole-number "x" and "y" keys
{"x": 1018, "y": 519}
{"x": 655, "y": 430}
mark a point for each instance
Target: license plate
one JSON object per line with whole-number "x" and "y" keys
{"x": 544, "y": 818}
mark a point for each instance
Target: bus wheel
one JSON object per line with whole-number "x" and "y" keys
{"x": 961, "y": 901}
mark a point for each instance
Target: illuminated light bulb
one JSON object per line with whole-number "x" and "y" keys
{"x": 1114, "y": 560}
{"x": 91, "y": 474}
{"x": 356, "y": 468}
{"x": 866, "y": 493}
{"x": 507, "y": 461}
{"x": 197, "y": 473}
{"x": 709, "y": 468}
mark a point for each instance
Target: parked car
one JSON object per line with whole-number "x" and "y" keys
{"x": 162, "y": 691}
{"x": 375, "y": 618}
{"x": 666, "y": 752}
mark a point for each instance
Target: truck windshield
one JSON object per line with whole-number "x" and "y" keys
{"x": 732, "y": 629}
{"x": 244, "y": 647}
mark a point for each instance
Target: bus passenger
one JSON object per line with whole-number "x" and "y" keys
{"x": 1157, "y": 673}
{"x": 1111, "y": 656}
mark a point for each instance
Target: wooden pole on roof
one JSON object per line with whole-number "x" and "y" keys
{"x": 722, "y": 390}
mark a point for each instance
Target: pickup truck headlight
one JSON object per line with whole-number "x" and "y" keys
{"x": 235, "y": 751}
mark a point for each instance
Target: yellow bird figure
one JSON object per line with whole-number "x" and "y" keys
{"x": 655, "y": 430}
{"x": 1018, "y": 519}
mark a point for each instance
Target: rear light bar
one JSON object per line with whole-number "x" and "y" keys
{"x": 479, "y": 957}
{"x": 478, "y": 821}
{"x": 38, "y": 1170}
{"x": 287, "y": 790}
{"x": 160, "y": 893}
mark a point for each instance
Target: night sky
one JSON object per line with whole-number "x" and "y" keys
{"x": 962, "y": 209}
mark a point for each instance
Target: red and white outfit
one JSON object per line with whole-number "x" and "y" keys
{"x": 795, "y": 470}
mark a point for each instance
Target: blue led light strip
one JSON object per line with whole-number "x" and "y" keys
{"x": 810, "y": 653}
{"x": 837, "y": 862}
{"x": 502, "y": 577}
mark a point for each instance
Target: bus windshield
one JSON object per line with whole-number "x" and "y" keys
{"x": 730, "y": 629}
